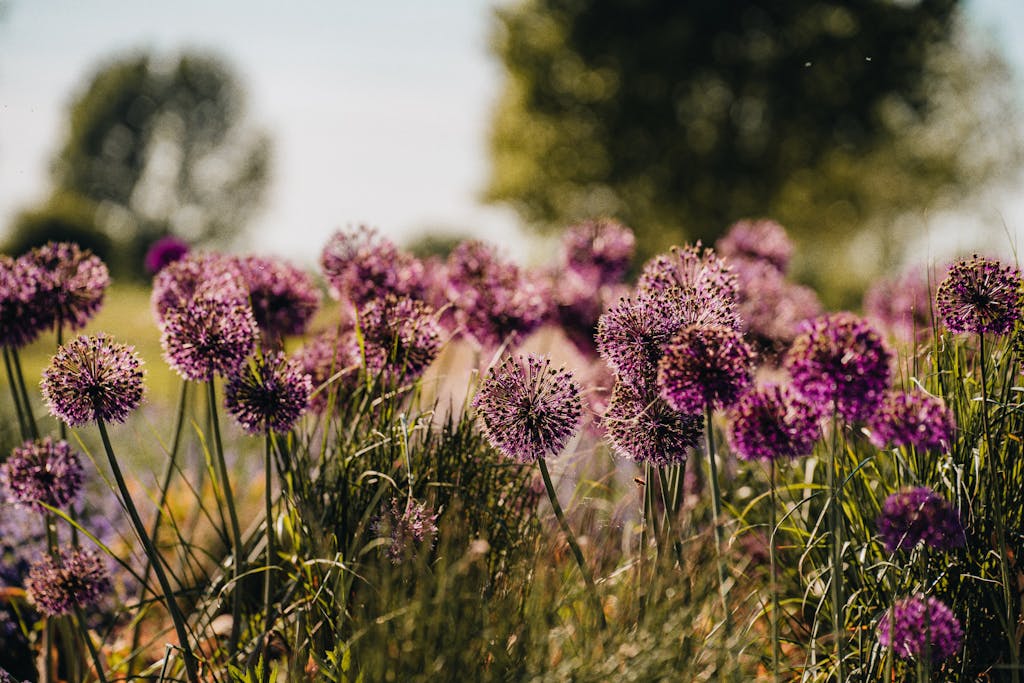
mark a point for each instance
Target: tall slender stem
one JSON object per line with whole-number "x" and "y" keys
{"x": 267, "y": 584}
{"x": 16, "y": 396}
{"x": 716, "y": 518}
{"x": 836, "y": 560}
{"x": 93, "y": 652}
{"x": 577, "y": 553}
{"x": 33, "y": 429}
{"x": 140, "y": 529}
{"x": 773, "y": 569}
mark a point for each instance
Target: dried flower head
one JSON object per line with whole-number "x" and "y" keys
{"x": 283, "y": 298}
{"x": 599, "y": 251}
{"x": 21, "y": 317}
{"x": 913, "y": 419}
{"x": 72, "y": 285}
{"x": 696, "y": 271}
{"x": 164, "y": 252}
{"x": 917, "y": 626}
{"x": 209, "y": 335}
{"x": 642, "y": 427}
{"x": 980, "y": 295}
{"x": 919, "y": 515}
{"x": 43, "y": 471}
{"x": 772, "y": 421}
{"x": 93, "y": 378}
{"x": 361, "y": 265}
{"x": 705, "y": 366}
{"x": 331, "y": 359}
{"x": 901, "y": 305}
{"x": 268, "y": 394}
{"x": 757, "y": 240}
{"x": 408, "y": 526}
{"x": 529, "y": 409}
{"x": 207, "y": 275}
{"x": 76, "y": 579}
{"x": 841, "y": 364}
{"x": 401, "y": 335}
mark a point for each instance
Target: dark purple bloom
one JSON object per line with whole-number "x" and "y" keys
{"x": 283, "y": 298}
{"x": 695, "y": 271}
{"x": 770, "y": 307}
{"x": 599, "y": 251}
{"x": 841, "y": 364}
{"x": 401, "y": 335}
{"x": 757, "y": 240}
{"x": 268, "y": 394}
{"x": 330, "y": 359}
{"x": 770, "y": 422}
{"x": 164, "y": 252}
{"x": 901, "y": 305}
{"x": 21, "y": 318}
{"x": 209, "y": 335}
{"x": 209, "y": 275}
{"x": 93, "y": 378}
{"x": 407, "y": 526}
{"x": 642, "y": 427}
{"x": 913, "y": 419}
{"x": 72, "y": 285}
{"x": 43, "y": 471}
{"x": 632, "y": 335}
{"x": 529, "y": 409}
{"x": 704, "y": 366}
{"x": 362, "y": 265}
{"x": 917, "y": 626}
{"x": 76, "y": 579}
{"x": 919, "y": 514}
{"x": 980, "y": 295}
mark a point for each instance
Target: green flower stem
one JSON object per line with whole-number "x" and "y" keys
{"x": 20, "y": 377}
{"x": 97, "y": 663}
{"x": 151, "y": 553}
{"x": 836, "y": 560}
{"x": 587, "y": 577}
{"x": 267, "y": 584}
{"x": 16, "y": 396}
{"x": 773, "y": 569}
{"x": 716, "y": 519}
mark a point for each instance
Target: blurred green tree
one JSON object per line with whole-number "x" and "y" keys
{"x": 839, "y": 119}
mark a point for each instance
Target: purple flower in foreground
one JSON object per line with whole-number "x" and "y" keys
{"x": 642, "y": 427}
{"x": 268, "y": 394}
{"x": 43, "y": 471}
{"x": 362, "y": 265}
{"x": 632, "y": 335}
{"x": 164, "y": 252}
{"x": 704, "y": 366}
{"x": 913, "y": 419}
{"x": 93, "y": 378}
{"x": 72, "y": 285}
{"x": 598, "y": 250}
{"x": 917, "y": 626}
{"x": 529, "y": 409}
{"x": 408, "y": 526}
{"x": 283, "y": 298}
{"x": 402, "y": 337}
{"x": 77, "y": 579}
{"x": 919, "y": 514}
{"x": 208, "y": 336}
{"x": 757, "y": 240}
{"x": 841, "y": 364}
{"x": 209, "y": 275}
{"x": 772, "y": 422}
{"x": 21, "y": 319}
{"x": 980, "y": 295}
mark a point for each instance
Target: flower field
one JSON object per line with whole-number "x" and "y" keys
{"x": 460, "y": 469}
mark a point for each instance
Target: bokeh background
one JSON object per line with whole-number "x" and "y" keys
{"x": 881, "y": 133}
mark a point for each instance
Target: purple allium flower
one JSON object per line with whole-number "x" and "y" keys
{"x": 409, "y": 526}
{"x": 901, "y": 305}
{"x": 93, "y": 378}
{"x": 841, "y": 364}
{"x": 361, "y": 265}
{"x": 208, "y": 335}
{"x": 402, "y": 337}
{"x": 916, "y": 626}
{"x": 195, "y": 276}
{"x": 772, "y": 421}
{"x": 598, "y": 250}
{"x": 21, "y": 319}
{"x": 72, "y": 285}
{"x": 268, "y": 394}
{"x": 283, "y": 298}
{"x": 642, "y": 427}
{"x": 76, "y": 579}
{"x": 770, "y": 307}
{"x": 529, "y": 409}
{"x": 164, "y": 252}
{"x": 332, "y": 356}
{"x": 757, "y": 240}
{"x": 704, "y": 366}
{"x": 917, "y": 419}
{"x": 696, "y": 271}
{"x": 919, "y": 514}
{"x": 43, "y": 471}
{"x": 980, "y": 295}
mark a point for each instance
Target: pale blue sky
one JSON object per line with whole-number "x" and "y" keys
{"x": 378, "y": 110}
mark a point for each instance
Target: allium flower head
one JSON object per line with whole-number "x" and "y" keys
{"x": 21, "y": 316}
{"x": 642, "y": 427}
{"x": 207, "y": 275}
{"x": 72, "y": 285}
{"x": 209, "y": 335}
{"x": 408, "y": 526}
{"x": 164, "y": 252}
{"x": 918, "y": 625}
{"x": 598, "y": 250}
{"x": 76, "y": 579}
{"x": 980, "y": 295}
{"x": 268, "y": 394}
{"x": 402, "y": 337}
{"x": 333, "y": 354}
{"x": 362, "y": 265}
{"x": 840, "y": 363}
{"x": 771, "y": 308}
{"x": 283, "y": 298}
{"x": 694, "y": 270}
{"x": 772, "y": 421}
{"x": 43, "y": 471}
{"x": 901, "y": 305}
{"x": 529, "y": 409}
{"x": 93, "y": 378}
{"x": 919, "y": 514}
{"x": 916, "y": 419}
{"x": 704, "y": 366}
{"x": 757, "y": 240}
{"x": 632, "y": 335}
